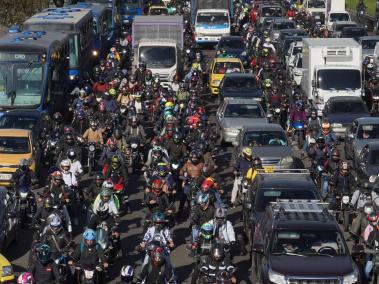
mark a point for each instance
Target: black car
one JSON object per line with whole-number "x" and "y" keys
{"x": 353, "y": 32}
{"x": 8, "y": 218}
{"x": 22, "y": 119}
{"x": 239, "y": 85}
{"x": 233, "y": 46}
{"x": 300, "y": 242}
{"x": 282, "y": 184}
{"x": 341, "y": 111}
{"x": 367, "y": 163}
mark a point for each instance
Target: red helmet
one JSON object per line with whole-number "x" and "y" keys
{"x": 111, "y": 141}
{"x": 207, "y": 184}
{"x": 157, "y": 186}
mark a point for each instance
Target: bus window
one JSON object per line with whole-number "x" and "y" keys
{"x": 95, "y": 28}
{"x": 28, "y": 85}
{"x": 74, "y": 50}
{"x": 103, "y": 25}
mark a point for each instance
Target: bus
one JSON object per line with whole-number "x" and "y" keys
{"x": 78, "y": 24}
{"x": 31, "y": 68}
{"x": 129, "y": 9}
{"x": 102, "y": 27}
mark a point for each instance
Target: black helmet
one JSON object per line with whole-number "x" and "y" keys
{"x": 57, "y": 117}
{"x": 177, "y": 137}
{"x": 257, "y": 163}
{"x": 70, "y": 139}
{"x": 320, "y": 142}
{"x": 218, "y": 253}
{"x": 367, "y": 187}
{"x": 117, "y": 133}
{"x": 71, "y": 154}
{"x": 48, "y": 203}
{"x": 335, "y": 155}
{"x": 195, "y": 157}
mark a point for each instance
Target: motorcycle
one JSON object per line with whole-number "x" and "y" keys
{"x": 89, "y": 276}
{"x": 51, "y": 151}
{"x": 343, "y": 211}
{"x": 91, "y": 160}
{"x": 25, "y": 205}
{"x": 133, "y": 155}
{"x": 104, "y": 241}
{"x": 298, "y": 128}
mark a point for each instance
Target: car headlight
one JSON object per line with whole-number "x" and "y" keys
{"x": 216, "y": 82}
{"x": 286, "y": 160}
{"x": 336, "y": 125}
{"x": 7, "y": 271}
{"x": 231, "y": 130}
{"x": 276, "y": 277}
{"x": 351, "y": 278}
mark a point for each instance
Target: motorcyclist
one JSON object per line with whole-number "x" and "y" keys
{"x": 68, "y": 177}
{"x": 92, "y": 191}
{"x": 241, "y": 167}
{"x": 116, "y": 172}
{"x": 124, "y": 97}
{"x": 111, "y": 105}
{"x": 343, "y": 181}
{"x": 88, "y": 254}
{"x": 331, "y": 166}
{"x": 135, "y": 131}
{"x": 100, "y": 86}
{"x": 176, "y": 149}
{"x": 69, "y": 142}
{"x": 202, "y": 213}
{"x": 45, "y": 270}
{"x": 182, "y": 94}
{"x": 327, "y": 133}
{"x": 298, "y": 113}
{"x": 94, "y": 133}
{"x": 268, "y": 44}
{"x": 156, "y": 155}
{"x": 120, "y": 140}
{"x": 275, "y": 98}
{"x": 24, "y": 176}
{"x": 252, "y": 173}
{"x": 319, "y": 152}
{"x": 313, "y": 120}
{"x": 76, "y": 166}
{"x": 110, "y": 151}
{"x": 155, "y": 198}
{"x": 113, "y": 54}
{"x": 141, "y": 72}
{"x": 223, "y": 229}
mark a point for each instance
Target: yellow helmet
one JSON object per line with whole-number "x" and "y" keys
{"x": 112, "y": 92}
{"x": 247, "y": 152}
{"x": 169, "y": 104}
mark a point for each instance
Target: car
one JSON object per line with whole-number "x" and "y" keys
{"x": 8, "y": 217}
{"x": 367, "y": 162}
{"x": 353, "y": 32}
{"x": 7, "y": 274}
{"x": 233, "y": 46}
{"x": 291, "y": 32}
{"x": 269, "y": 142}
{"x": 341, "y": 111}
{"x": 16, "y": 144}
{"x": 219, "y": 67}
{"x": 232, "y": 114}
{"x": 269, "y": 10}
{"x": 295, "y": 48}
{"x": 284, "y": 46}
{"x": 296, "y": 68}
{"x": 267, "y": 22}
{"x": 368, "y": 44}
{"x": 362, "y": 131}
{"x": 278, "y": 184}
{"x": 238, "y": 85}
{"x": 338, "y": 26}
{"x": 337, "y": 17}
{"x": 280, "y": 24}
{"x": 299, "y": 241}
{"x": 22, "y": 119}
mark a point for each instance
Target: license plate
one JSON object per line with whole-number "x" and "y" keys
{"x": 5, "y": 176}
{"x": 268, "y": 169}
{"x": 88, "y": 274}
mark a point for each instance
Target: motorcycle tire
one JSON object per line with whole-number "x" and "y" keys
{"x": 345, "y": 219}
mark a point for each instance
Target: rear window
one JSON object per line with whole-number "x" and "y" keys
{"x": 243, "y": 110}
{"x": 227, "y": 67}
{"x": 240, "y": 83}
{"x": 356, "y": 32}
{"x": 347, "y": 107}
{"x": 340, "y": 27}
{"x": 265, "y": 196}
{"x": 20, "y": 122}
{"x": 271, "y": 12}
{"x": 283, "y": 25}
{"x": 265, "y": 138}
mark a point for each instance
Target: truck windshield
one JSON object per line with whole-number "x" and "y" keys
{"x": 20, "y": 84}
{"x": 338, "y": 79}
{"x": 212, "y": 19}
{"x": 369, "y": 44}
{"x": 158, "y": 56}
{"x": 339, "y": 17}
{"x": 316, "y": 4}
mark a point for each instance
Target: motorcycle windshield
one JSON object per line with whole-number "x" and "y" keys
{"x": 298, "y": 124}
{"x": 101, "y": 238}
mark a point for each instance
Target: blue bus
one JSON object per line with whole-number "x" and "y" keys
{"x": 129, "y": 9}
{"x": 102, "y": 27}
{"x": 78, "y": 24}
{"x": 32, "y": 64}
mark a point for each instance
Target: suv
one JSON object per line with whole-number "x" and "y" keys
{"x": 268, "y": 187}
{"x": 300, "y": 242}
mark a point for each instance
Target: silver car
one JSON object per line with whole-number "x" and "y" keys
{"x": 280, "y": 24}
{"x": 233, "y": 114}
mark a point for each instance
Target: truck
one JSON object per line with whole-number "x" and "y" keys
{"x": 331, "y": 67}
{"x": 158, "y": 41}
{"x": 316, "y": 8}
{"x": 211, "y": 23}
{"x": 335, "y": 11}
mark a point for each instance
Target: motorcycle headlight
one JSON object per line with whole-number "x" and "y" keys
{"x": 134, "y": 146}
{"x": 23, "y": 195}
{"x": 276, "y": 277}
{"x": 175, "y": 166}
{"x": 7, "y": 271}
{"x": 277, "y": 110}
{"x": 92, "y": 148}
{"x": 345, "y": 199}
{"x": 95, "y": 53}
{"x": 336, "y": 125}
{"x": 286, "y": 160}
{"x": 243, "y": 53}
{"x": 351, "y": 278}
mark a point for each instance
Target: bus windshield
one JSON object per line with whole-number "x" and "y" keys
{"x": 20, "y": 84}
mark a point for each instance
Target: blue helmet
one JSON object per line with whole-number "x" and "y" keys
{"x": 159, "y": 217}
{"x": 89, "y": 235}
{"x": 44, "y": 253}
{"x": 202, "y": 199}
{"x": 207, "y": 231}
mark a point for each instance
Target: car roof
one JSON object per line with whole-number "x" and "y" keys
{"x": 228, "y": 59}
{"x": 232, "y": 101}
{"x": 14, "y": 133}
{"x": 354, "y": 28}
{"x": 282, "y": 19}
{"x": 239, "y": 75}
{"x": 344, "y": 23}
{"x": 344, "y": 99}
{"x": 369, "y": 37}
{"x": 26, "y": 112}
{"x": 263, "y": 126}
{"x": 369, "y": 119}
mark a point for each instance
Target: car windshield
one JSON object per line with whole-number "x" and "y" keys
{"x": 231, "y": 43}
{"x": 369, "y": 43}
{"x": 265, "y": 138}
{"x": 14, "y": 145}
{"x": 338, "y": 79}
{"x": 347, "y": 107}
{"x": 158, "y": 56}
{"x": 341, "y": 26}
{"x": 212, "y": 19}
{"x": 227, "y": 67}
{"x": 20, "y": 84}
{"x": 243, "y": 110}
{"x": 368, "y": 131}
{"x": 316, "y": 4}
{"x": 283, "y": 25}
{"x": 339, "y": 17}
{"x": 299, "y": 63}
{"x": 308, "y": 243}
{"x": 158, "y": 11}
{"x": 238, "y": 84}
{"x": 271, "y": 12}
{"x": 19, "y": 122}
{"x": 296, "y": 50}
{"x": 355, "y": 33}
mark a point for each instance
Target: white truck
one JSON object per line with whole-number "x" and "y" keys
{"x": 158, "y": 41}
{"x": 331, "y": 67}
{"x": 335, "y": 11}
{"x": 316, "y": 8}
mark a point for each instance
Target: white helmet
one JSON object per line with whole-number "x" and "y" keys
{"x": 267, "y": 40}
{"x": 65, "y": 163}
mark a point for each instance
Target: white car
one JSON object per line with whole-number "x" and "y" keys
{"x": 296, "y": 68}
{"x": 295, "y": 48}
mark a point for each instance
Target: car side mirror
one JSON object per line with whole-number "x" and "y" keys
{"x": 350, "y": 135}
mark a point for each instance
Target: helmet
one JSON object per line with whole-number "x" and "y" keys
{"x": 335, "y": 155}
{"x": 220, "y": 215}
{"x": 65, "y": 165}
{"x": 111, "y": 142}
{"x": 162, "y": 169}
{"x": 57, "y": 176}
{"x": 265, "y": 52}
{"x": 320, "y": 142}
{"x": 102, "y": 210}
{"x": 247, "y": 153}
{"x": 325, "y": 127}
{"x": 107, "y": 185}
{"x": 142, "y": 65}
{"x": 117, "y": 133}
{"x": 373, "y": 217}
{"x": 344, "y": 169}
{"x": 313, "y": 112}
{"x": 177, "y": 137}
{"x": 367, "y": 187}
{"x": 159, "y": 217}
{"x": 157, "y": 152}
{"x": 57, "y": 117}
{"x": 93, "y": 124}
{"x": 116, "y": 161}
{"x": 157, "y": 186}
{"x": 195, "y": 157}
{"x": 89, "y": 235}
{"x": 203, "y": 200}
{"x": 257, "y": 163}
{"x": 99, "y": 178}
{"x": 55, "y": 224}
{"x": 71, "y": 154}
{"x": 206, "y": 231}
{"x": 25, "y": 278}
{"x": 169, "y": 105}
{"x": 217, "y": 252}
{"x": 157, "y": 256}
{"x": 127, "y": 273}
{"x": 48, "y": 202}
{"x": 24, "y": 164}
{"x": 44, "y": 253}
{"x": 296, "y": 96}
{"x": 207, "y": 185}
{"x": 112, "y": 92}
{"x": 299, "y": 104}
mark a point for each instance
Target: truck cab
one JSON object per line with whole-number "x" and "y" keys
{"x": 316, "y": 8}
{"x": 336, "y": 16}
{"x": 211, "y": 25}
